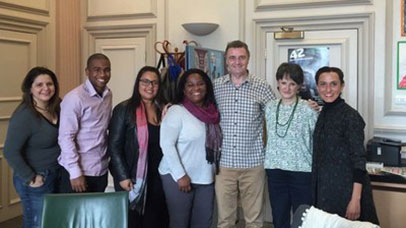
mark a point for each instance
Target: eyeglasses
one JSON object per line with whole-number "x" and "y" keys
{"x": 146, "y": 82}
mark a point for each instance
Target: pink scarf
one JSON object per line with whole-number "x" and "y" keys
{"x": 140, "y": 185}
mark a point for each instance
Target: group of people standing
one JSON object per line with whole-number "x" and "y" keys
{"x": 208, "y": 144}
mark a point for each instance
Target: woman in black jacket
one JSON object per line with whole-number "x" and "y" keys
{"x": 341, "y": 183}
{"x": 135, "y": 151}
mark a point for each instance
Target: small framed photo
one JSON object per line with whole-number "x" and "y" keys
{"x": 401, "y": 66}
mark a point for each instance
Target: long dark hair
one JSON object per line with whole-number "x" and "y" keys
{"x": 135, "y": 100}
{"x": 208, "y": 98}
{"x": 53, "y": 103}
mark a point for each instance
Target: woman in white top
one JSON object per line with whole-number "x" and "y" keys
{"x": 190, "y": 141}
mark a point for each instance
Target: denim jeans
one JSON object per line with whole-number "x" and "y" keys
{"x": 32, "y": 198}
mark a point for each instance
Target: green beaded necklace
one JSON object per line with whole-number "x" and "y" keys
{"x": 287, "y": 122}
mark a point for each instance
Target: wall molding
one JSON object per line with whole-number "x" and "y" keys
{"x": 18, "y": 24}
{"x": 26, "y": 8}
{"x": 123, "y": 16}
{"x": 363, "y": 22}
{"x": 263, "y": 5}
{"x": 5, "y": 118}
{"x": 242, "y": 17}
{"x": 10, "y": 99}
{"x": 14, "y": 201}
{"x": 390, "y": 131}
{"x": 147, "y": 31}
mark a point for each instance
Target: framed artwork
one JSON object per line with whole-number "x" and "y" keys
{"x": 210, "y": 61}
{"x": 402, "y": 17}
{"x": 401, "y": 66}
{"x": 310, "y": 59}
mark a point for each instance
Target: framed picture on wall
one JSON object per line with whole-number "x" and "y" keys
{"x": 210, "y": 61}
{"x": 310, "y": 59}
{"x": 402, "y": 17}
{"x": 401, "y": 66}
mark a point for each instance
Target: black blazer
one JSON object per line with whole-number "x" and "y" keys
{"x": 123, "y": 144}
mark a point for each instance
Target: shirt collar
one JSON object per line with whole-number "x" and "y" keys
{"x": 92, "y": 92}
{"x": 227, "y": 79}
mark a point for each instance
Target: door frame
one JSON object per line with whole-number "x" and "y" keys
{"x": 344, "y": 41}
{"x": 363, "y": 22}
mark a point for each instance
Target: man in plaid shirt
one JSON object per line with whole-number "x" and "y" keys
{"x": 241, "y": 98}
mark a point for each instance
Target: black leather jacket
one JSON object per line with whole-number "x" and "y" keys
{"x": 123, "y": 144}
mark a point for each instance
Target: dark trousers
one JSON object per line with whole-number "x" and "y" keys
{"x": 189, "y": 210}
{"x": 155, "y": 212}
{"x": 287, "y": 191}
{"x": 93, "y": 184}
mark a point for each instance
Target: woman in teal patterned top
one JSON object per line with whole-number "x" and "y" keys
{"x": 288, "y": 159}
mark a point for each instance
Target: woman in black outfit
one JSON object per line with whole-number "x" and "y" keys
{"x": 341, "y": 183}
{"x": 135, "y": 151}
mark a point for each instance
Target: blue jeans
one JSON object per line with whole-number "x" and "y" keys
{"x": 32, "y": 198}
{"x": 287, "y": 191}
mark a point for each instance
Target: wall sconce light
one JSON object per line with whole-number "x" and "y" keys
{"x": 200, "y": 28}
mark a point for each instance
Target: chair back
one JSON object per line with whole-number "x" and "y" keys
{"x": 85, "y": 210}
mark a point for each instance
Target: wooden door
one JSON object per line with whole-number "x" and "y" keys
{"x": 127, "y": 57}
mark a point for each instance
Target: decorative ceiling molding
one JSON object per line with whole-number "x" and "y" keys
{"x": 261, "y": 5}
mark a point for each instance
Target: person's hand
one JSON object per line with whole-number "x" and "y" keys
{"x": 313, "y": 105}
{"x": 37, "y": 181}
{"x": 184, "y": 184}
{"x": 353, "y": 210}
{"x": 127, "y": 185}
{"x": 165, "y": 110}
{"x": 78, "y": 184}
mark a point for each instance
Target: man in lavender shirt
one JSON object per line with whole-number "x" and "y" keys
{"x": 85, "y": 115}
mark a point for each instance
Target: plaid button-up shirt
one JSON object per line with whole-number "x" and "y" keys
{"x": 242, "y": 114}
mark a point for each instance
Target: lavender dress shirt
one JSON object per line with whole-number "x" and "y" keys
{"x": 84, "y": 120}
